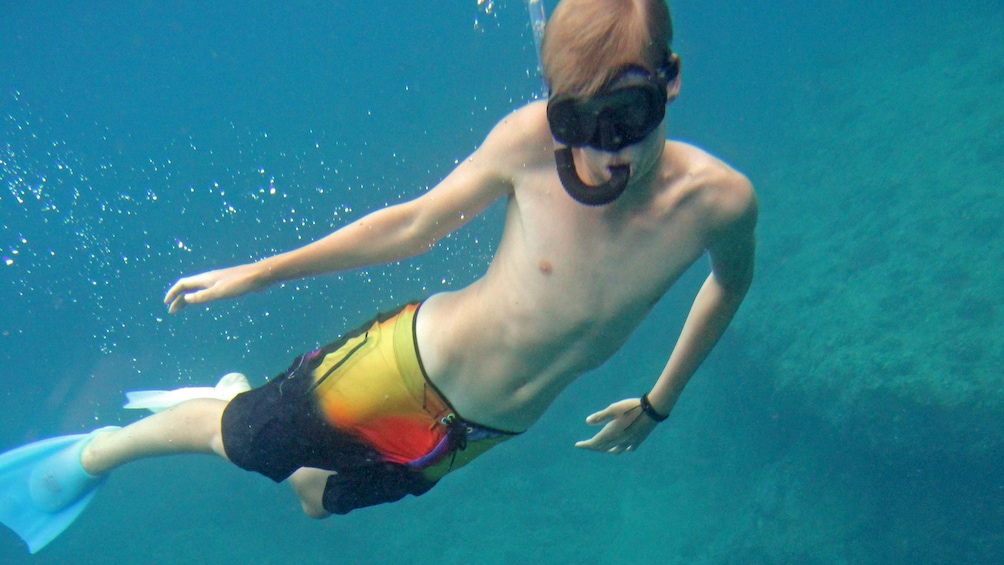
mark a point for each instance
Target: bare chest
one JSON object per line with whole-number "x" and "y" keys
{"x": 601, "y": 264}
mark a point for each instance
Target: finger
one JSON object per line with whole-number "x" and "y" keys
{"x": 602, "y": 441}
{"x": 178, "y": 289}
{"x": 176, "y": 305}
{"x": 590, "y": 446}
{"x": 189, "y": 298}
{"x": 183, "y": 300}
{"x": 171, "y": 296}
{"x": 601, "y": 417}
{"x": 593, "y": 444}
{"x": 197, "y": 297}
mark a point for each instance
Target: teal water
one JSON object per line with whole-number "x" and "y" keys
{"x": 851, "y": 415}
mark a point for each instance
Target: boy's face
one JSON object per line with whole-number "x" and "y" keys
{"x": 625, "y": 110}
{"x": 639, "y": 157}
{"x": 619, "y": 133}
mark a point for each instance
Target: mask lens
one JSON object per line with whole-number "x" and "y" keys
{"x": 630, "y": 109}
{"x": 626, "y": 116}
{"x": 570, "y": 124}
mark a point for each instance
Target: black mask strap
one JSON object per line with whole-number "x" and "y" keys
{"x": 584, "y": 193}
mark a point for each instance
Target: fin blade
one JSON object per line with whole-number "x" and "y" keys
{"x": 228, "y": 387}
{"x": 45, "y": 488}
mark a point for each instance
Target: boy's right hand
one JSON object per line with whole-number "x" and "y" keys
{"x": 625, "y": 427}
{"x": 213, "y": 285}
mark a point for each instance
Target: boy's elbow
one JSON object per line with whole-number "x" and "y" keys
{"x": 414, "y": 234}
{"x": 734, "y": 271}
{"x": 419, "y": 237}
{"x": 742, "y": 286}
{"x": 736, "y": 285}
{"x": 733, "y": 267}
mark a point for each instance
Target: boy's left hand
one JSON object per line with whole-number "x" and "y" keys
{"x": 626, "y": 427}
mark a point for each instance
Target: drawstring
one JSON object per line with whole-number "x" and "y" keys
{"x": 457, "y": 431}
{"x": 339, "y": 363}
{"x": 456, "y": 434}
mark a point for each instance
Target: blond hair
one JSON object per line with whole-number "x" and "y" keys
{"x": 586, "y": 41}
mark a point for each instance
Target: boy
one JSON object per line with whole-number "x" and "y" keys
{"x": 603, "y": 215}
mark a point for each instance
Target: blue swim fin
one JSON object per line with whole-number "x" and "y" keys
{"x": 43, "y": 487}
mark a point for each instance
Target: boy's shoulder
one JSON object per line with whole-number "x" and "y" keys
{"x": 531, "y": 117}
{"x": 725, "y": 194}
{"x": 528, "y": 125}
{"x": 521, "y": 139}
{"x": 688, "y": 159}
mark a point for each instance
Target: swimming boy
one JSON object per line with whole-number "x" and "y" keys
{"x": 603, "y": 216}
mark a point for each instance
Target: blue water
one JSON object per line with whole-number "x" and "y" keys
{"x": 851, "y": 415}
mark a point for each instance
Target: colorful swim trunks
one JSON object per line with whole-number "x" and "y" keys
{"x": 362, "y": 407}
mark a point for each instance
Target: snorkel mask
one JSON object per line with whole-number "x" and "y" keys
{"x": 625, "y": 111}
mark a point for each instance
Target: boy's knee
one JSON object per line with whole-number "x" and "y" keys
{"x": 205, "y": 415}
{"x": 309, "y": 485}
{"x": 313, "y": 510}
{"x": 216, "y": 444}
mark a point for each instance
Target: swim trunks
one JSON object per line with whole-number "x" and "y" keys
{"x": 362, "y": 407}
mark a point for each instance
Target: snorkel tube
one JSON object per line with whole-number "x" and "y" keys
{"x": 537, "y": 22}
{"x": 587, "y": 194}
{"x": 574, "y": 185}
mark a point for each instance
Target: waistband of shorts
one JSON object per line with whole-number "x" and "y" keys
{"x": 410, "y": 310}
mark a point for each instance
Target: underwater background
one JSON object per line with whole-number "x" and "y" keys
{"x": 852, "y": 414}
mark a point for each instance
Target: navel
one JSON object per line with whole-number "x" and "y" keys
{"x": 545, "y": 266}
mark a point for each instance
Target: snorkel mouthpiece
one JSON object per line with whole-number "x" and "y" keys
{"x": 586, "y": 194}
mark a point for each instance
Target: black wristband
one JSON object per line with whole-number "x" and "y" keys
{"x": 646, "y": 407}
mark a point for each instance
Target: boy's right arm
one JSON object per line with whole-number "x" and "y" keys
{"x": 386, "y": 235}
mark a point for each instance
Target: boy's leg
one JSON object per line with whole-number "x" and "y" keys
{"x": 189, "y": 427}
{"x": 308, "y": 484}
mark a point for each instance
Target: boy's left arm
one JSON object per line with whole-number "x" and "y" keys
{"x": 731, "y": 247}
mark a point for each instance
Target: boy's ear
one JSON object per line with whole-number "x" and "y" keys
{"x": 673, "y": 87}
